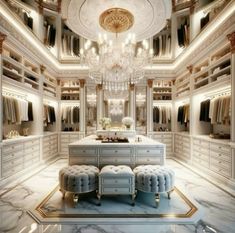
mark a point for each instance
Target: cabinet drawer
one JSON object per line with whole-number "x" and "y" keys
{"x": 199, "y": 155}
{"x": 115, "y": 160}
{"x": 220, "y": 148}
{"x": 65, "y": 140}
{"x": 115, "y": 151}
{"x": 201, "y": 143}
{"x": 148, "y": 160}
{"x": 221, "y": 163}
{"x": 11, "y": 148}
{"x": 118, "y": 190}
{"x": 74, "y": 137}
{"x": 200, "y": 162}
{"x": 149, "y": 151}
{"x": 83, "y": 151}
{"x": 12, "y": 156}
{"x": 12, "y": 163}
{"x": 220, "y": 155}
{"x": 221, "y": 171}
{"x": 186, "y": 140}
{"x": 31, "y": 143}
{"x": 201, "y": 149}
{"x": 89, "y": 160}
{"x": 116, "y": 181}
{"x": 31, "y": 149}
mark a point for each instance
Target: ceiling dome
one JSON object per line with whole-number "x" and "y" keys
{"x": 149, "y": 16}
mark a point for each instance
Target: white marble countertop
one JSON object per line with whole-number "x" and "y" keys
{"x": 91, "y": 141}
{"x": 19, "y": 139}
{"x": 208, "y": 138}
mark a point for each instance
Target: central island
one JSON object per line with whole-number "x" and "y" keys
{"x": 140, "y": 150}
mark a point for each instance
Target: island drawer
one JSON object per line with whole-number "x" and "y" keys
{"x": 142, "y": 160}
{"x": 83, "y": 151}
{"x": 89, "y": 160}
{"x": 149, "y": 151}
{"x": 115, "y": 160}
{"x": 115, "y": 151}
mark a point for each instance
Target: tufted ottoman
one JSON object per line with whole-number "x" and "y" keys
{"x": 116, "y": 180}
{"x": 154, "y": 179}
{"x": 78, "y": 179}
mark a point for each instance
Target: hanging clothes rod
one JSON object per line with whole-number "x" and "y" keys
{"x": 222, "y": 92}
{"x": 13, "y": 93}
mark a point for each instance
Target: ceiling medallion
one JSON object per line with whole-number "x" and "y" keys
{"x": 116, "y": 20}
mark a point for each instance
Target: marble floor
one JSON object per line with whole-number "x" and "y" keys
{"x": 218, "y": 206}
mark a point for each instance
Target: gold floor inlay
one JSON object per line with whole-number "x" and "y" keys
{"x": 56, "y": 214}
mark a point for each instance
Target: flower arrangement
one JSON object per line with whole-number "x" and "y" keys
{"x": 105, "y": 122}
{"x": 127, "y": 121}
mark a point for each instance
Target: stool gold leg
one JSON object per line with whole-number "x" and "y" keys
{"x": 133, "y": 196}
{"x": 75, "y": 199}
{"x": 63, "y": 193}
{"x": 157, "y": 199}
{"x": 99, "y": 198}
{"x": 169, "y": 194}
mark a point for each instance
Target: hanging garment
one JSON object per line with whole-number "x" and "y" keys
{"x": 204, "y": 111}
{"x": 16, "y": 110}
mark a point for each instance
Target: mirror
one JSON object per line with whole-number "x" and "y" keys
{"x": 141, "y": 110}
{"x": 91, "y": 110}
{"x": 116, "y": 106}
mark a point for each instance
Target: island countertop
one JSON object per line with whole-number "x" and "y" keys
{"x": 133, "y": 141}
{"x": 90, "y": 151}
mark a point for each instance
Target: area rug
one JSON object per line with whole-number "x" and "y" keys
{"x": 179, "y": 209}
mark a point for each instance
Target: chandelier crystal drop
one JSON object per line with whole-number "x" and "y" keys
{"x": 116, "y": 64}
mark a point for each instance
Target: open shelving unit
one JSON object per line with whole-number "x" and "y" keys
{"x": 18, "y": 68}
{"x": 182, "y": 85}
{"x": 215, "y": 69}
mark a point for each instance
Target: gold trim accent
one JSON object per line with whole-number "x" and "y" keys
{"x": 116, "y": 20}
{"x": 188, "y": 214}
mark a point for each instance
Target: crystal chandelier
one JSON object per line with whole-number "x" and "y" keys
{"x": 116, "y": 64}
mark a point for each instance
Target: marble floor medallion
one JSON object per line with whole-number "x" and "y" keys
{"x": 179, "y": 209}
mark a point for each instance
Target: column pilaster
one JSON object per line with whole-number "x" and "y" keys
{"x": 2, "y": 39}
{"x": 82, "y": 97}
{"x": 132, "y": 103}
{"x": 149, "y": 105}
{"x": 231, "y": 38}
{"x": 100, "y": 103}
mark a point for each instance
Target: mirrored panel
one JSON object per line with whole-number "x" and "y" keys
{"x": 141, "y": 110}
{"x": 91, "y": 110}
{"x": 116, "y": 106}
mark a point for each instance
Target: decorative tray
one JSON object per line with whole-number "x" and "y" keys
{"x": 116, "y": 141}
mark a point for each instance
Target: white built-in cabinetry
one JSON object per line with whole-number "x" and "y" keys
{"x": 165, "y": 138}
{"x": 66, "y": 138}
{"x": 19, "y": 155}
{"x": 212, "y": 154}
{"x": 50, "y": 146}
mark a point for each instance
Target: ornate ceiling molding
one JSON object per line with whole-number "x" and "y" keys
{"x": 83, "y": 18}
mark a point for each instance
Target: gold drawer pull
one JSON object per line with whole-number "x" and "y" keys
{"x": 147, "y": 151}
{"x": 83, "y": 151}
{"x": 115, "y": 190}
{"x": 116, "y": 151}
{"x": 116, "y": 181}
